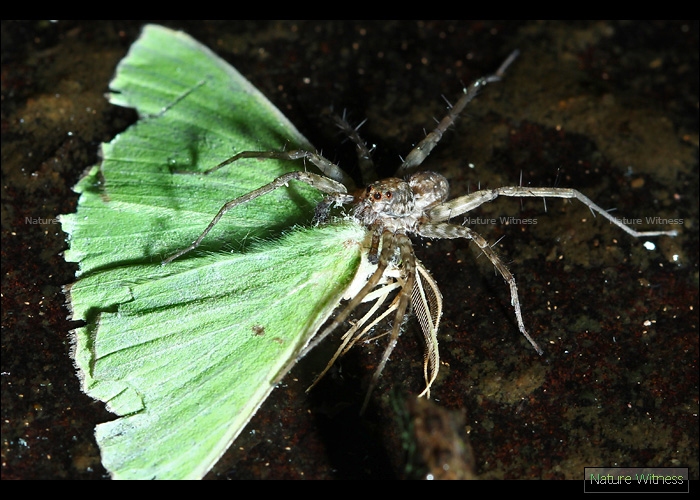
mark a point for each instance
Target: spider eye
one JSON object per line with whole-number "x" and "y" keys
{"x": 377, "y": 196}
{"x": 388, "y": 195}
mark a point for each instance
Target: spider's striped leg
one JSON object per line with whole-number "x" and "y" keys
{"x": 424, "y": 147}
{"x": 364, "y": 157}
{"x": 318, "y": 181}
{"x": 467, "y": 203}
{"x": 451, "y": 231}
{"x": 325, "y": 166}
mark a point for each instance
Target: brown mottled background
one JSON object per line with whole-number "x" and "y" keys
{"x": 609, "y": 108}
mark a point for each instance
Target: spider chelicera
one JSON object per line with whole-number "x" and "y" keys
{"x": 392, "y": 210}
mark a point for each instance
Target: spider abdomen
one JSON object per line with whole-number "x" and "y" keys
{"x": 429, "y": 189}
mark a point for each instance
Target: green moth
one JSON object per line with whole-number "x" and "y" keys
{"x": 184, "y": 354}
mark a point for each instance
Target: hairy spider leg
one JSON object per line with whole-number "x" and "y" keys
{"x": 424, "y": 147}
{"x": 467, "y": 203}
{"x": 324, "y": 165}
{"x": 451, "y": 231}
{"x": 317, "y": 181}
{"x": 364, "y": 156}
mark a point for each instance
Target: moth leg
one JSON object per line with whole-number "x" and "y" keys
{"x": 387, "y": 253}
{"x": 408, "y": 263}
{"x": 351, "y": 337}
{"x": 465, "y": 204}
{"x": 427, "y": 307}
{"x": 318, "y": 181}
{"x": 451, "y": 231}
{"x": 424, "y": 147}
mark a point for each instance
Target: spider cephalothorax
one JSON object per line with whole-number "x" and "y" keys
{"x": 398, "y": 199}
{"x": 392, "y": 210}
{"x": 399, "y": 206}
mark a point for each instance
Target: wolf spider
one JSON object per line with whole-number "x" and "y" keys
{"x": 393, "y": 209}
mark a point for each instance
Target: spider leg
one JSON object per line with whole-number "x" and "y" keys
{"x": 424, "y": 147}
{"x": 318, "y": 181}
{"x": 373, "y": 255}
{"x": 469, "y": 202}
{"x": 325, "y": 166}
{"x": 451, "y": 231}
{"x": 408, "y": 263}
{"x": 364, "y": 158}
